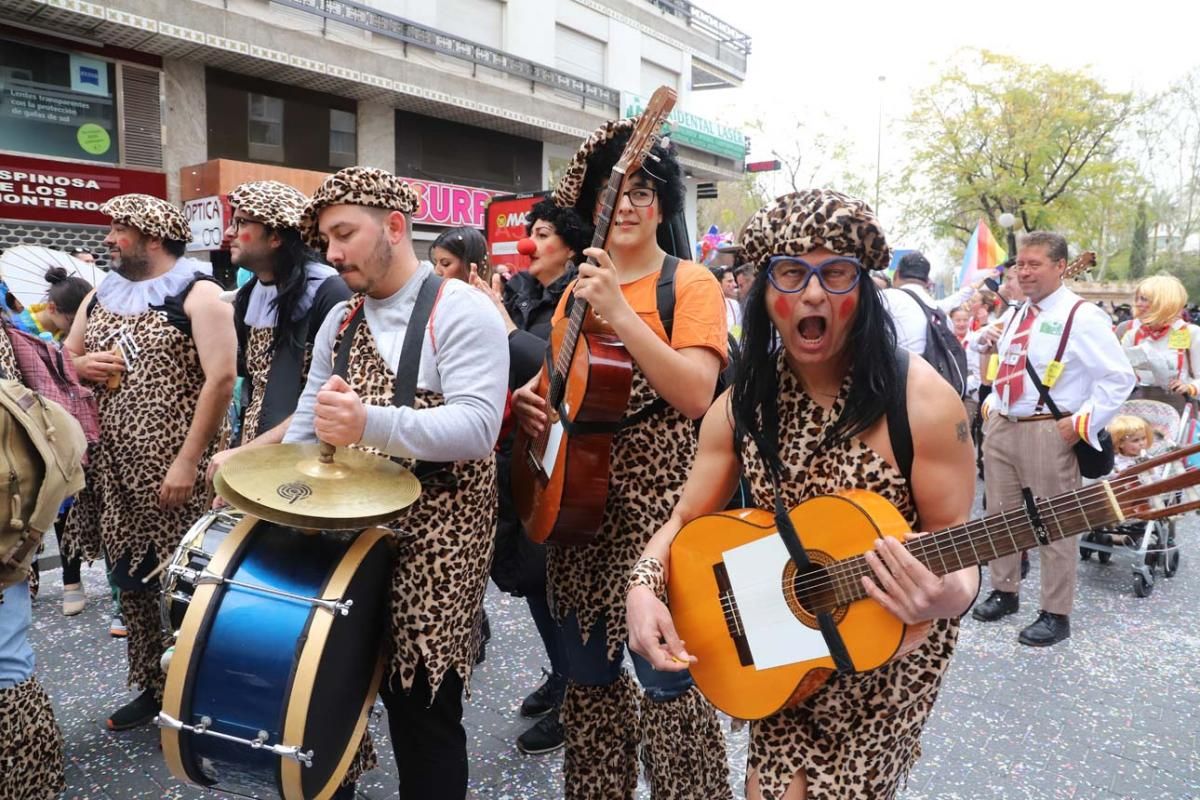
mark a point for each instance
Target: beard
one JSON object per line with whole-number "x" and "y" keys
{"x": 364, "y": 275}
{"x": 134, "y": 265}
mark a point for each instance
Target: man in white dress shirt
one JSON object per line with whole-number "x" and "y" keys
{"x": 911, "y": 290}
{"x": 1024, "y": 446}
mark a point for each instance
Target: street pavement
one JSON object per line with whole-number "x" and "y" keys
{"x": 1114, "y": 712}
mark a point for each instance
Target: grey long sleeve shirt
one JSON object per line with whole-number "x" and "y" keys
{"x": 465, "y": 359}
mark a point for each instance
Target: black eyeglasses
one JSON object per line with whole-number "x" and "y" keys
{"x": 237, "y": 222}
{"x": 791, "y": 274}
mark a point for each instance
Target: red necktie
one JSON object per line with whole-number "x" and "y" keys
{"x": 1012, "y": 364}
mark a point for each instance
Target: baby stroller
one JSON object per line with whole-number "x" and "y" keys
{"x": 1151, "y": 544}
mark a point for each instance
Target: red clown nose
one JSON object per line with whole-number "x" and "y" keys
{"x": 527, "y": 247}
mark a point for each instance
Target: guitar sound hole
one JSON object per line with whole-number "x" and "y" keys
{"x": 812, "y": 591}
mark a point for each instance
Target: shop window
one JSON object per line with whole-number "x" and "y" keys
{"x": 265, "y": 129}
{"x": 343, "y": 138}
{"x": 252, "y": 119}
{"x": 57, "y": 103}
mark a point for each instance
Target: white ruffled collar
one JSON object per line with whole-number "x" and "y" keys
{"x": 120, "y": 295}
{"x": 260, "y": 311}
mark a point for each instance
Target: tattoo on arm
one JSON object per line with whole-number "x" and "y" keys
{"x": 962, "y": 431}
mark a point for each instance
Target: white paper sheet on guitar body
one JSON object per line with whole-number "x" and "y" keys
{"x": 775, "y": 636}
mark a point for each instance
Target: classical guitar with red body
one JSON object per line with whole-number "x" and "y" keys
{"x": 560, "y": 477}
{"x": 749, "y": 615}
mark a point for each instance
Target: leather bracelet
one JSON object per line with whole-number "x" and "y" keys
{"x": 651, "y": 573}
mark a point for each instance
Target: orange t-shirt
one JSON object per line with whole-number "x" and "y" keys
{"x": 699, "y": 319}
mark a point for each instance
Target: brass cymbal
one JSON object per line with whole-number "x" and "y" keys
{"x": 309, "y": 486}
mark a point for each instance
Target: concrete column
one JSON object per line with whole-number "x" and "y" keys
{"x": 690, "y": 210}
{"x": 377, "y": 136}
{"x": 185, "y": 120}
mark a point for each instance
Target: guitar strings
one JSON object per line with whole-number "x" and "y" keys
{"x": 845, "y": 573}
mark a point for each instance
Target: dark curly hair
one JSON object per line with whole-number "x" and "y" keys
{"x": 665, "y": 175}
{"x": 570, "y": 227}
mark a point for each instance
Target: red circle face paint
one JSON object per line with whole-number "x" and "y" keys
{"x": 783, "y": 305}
{"x": 847, "y": 307}
{"x": 123, "y": 243}
{"x": 243, "y": 237}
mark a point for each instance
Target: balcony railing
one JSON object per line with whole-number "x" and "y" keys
{"x": 357, "y": 15}
{"x": 725, "y": 35}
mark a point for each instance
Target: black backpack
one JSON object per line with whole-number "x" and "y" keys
{"x": 943, "y": 351}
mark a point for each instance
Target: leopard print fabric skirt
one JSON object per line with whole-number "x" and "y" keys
{"x": 649, "y": 465}
{"x": 31, "y": 744}
{"x": 143, "y": 423}
{"x": 443, "y": 544}
{"x": 860, "y": 733}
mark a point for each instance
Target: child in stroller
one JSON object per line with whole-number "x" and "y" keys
{"x": 1152, "y": 544}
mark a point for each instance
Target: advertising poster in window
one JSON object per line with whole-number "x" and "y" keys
{"x": 54, "y": 103}
{"x": 506, "y": 218}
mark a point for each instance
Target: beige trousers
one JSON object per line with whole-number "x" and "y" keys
{"x": 1032, "y": 455}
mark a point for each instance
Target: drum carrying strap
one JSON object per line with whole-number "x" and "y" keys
{"x": 404, "y": 389}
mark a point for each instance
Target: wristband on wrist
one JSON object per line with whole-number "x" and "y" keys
{"x": 651, "y": 573}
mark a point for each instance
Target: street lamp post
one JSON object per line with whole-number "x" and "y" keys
{"x": 1007, "y": 221}
{"x": 879, "y": 141}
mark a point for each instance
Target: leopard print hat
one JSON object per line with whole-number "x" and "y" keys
{"x": 358, "y": 186}
{"x": 799, "y": 223}
{"x": 566, "y": 193}
{"x": 272, "y": 203}
{"x": 150, "y": 215}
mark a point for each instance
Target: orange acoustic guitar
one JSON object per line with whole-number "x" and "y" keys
{"x": 560, "y": 478}
{"x": 749, "y": 616}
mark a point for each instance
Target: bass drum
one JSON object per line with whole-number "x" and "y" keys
{"x": 276, "y": 666}
{"x": 194, "y": 553}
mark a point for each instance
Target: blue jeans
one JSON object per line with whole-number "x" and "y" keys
{"x": 588, "y": 664}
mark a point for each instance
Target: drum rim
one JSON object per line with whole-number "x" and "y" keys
{"x": 196, "y": 617}
{"x": 304, "y": 678}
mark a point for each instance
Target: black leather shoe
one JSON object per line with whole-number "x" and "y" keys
{"x": 544, "y": 699}
{"x": 544, "y": 737}
{"x": 141, "y": 711}
{"x": 998, "y": 604}
{"x": 1046, "y": 630}
{"x": 1024, "y": 564}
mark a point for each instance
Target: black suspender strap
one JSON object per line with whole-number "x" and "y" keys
{"x": 404, "y": 389}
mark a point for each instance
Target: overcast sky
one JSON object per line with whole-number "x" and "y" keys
{"x": 826, "y": 58}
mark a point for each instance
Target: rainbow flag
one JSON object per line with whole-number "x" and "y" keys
{"x": 983, "y": 253}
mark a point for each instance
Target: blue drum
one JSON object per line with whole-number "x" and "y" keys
{"x": 278, "y": 660}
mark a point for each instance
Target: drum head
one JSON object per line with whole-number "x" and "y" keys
{"x": 337, "y": 674}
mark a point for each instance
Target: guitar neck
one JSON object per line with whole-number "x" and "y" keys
{"x": 980, "y": 541}
{"x": 579, "y": 309}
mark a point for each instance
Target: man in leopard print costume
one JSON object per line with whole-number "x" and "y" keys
{"x": 278, "y": 311}
{"x": 808, "y": 417}
{"x": 433, "y": 401}
{"x": 159, "y": 346}
{"x": 604, "y": 716}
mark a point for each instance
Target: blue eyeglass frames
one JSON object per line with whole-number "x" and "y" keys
{"x": 837, "y": 275}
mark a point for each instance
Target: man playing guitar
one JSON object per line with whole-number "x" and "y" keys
{"x": 810, "y": 417}
{"x": 650, "y": 457}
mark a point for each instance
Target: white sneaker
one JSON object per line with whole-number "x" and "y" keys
{"x": 73, "y": 600}
{"x": 116, "y": 628}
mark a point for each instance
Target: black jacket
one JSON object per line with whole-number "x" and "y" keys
{"x": 531, "y": 307}
{"x": 519, "y": 565}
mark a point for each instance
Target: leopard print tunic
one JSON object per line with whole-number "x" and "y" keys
{"x": 649, "y": 466}
{"x": 258, "y": 368}
{"x": 443, "y": 542}
{"x": 8, "y": 359}
{"x": 143, "y": 423}
{"x": 860, "y": 733}
{"x": 31, "y": 744}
